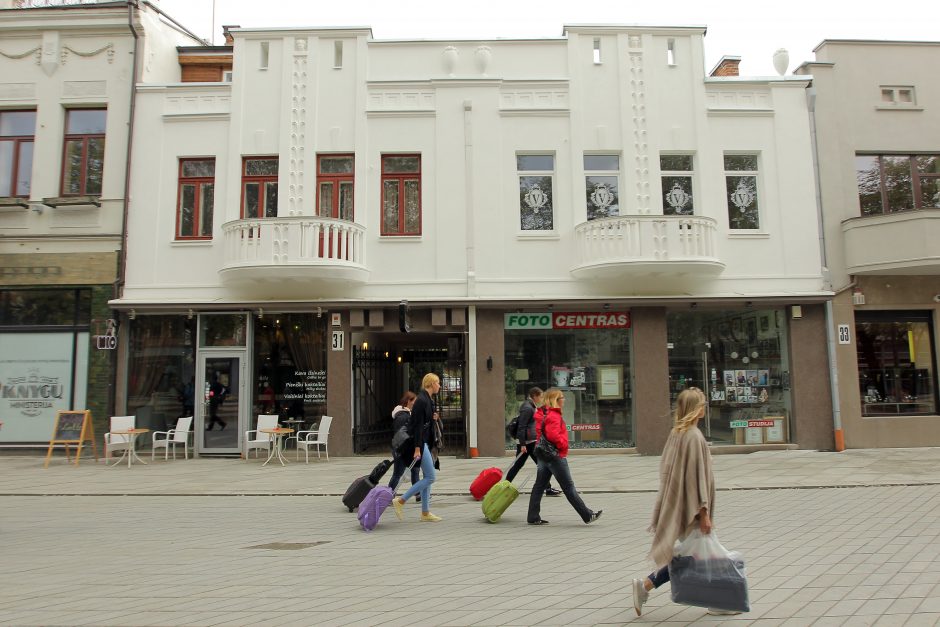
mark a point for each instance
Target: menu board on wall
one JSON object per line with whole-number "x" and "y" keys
{"x": 308, "y": 386}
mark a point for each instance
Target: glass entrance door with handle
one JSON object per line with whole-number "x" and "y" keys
{"x": 221, "y": 405}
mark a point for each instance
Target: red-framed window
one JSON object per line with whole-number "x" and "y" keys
{"x": 259, "y": 187}
{"x": 401, "y": 194}
{"x": 335, "y": 178}
{"x": 83, "y": 155}
{"x": 195, "y": 199}
{"x": 17, "y": 129}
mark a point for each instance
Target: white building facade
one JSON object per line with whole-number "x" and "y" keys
{"x": 67, "y": 76}
{"x": 591, "y": 212}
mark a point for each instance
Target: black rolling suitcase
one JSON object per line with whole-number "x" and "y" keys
{"x": 359, "y": 488}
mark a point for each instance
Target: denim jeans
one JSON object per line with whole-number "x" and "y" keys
{"x": 660, "y": 577}
{"x": 559, "y": 468}
{"x": 399, "y": 471}
{"x": 423, "y": 486}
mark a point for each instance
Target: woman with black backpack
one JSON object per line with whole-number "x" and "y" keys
{"x": 525, "y": 437}
{"x": 401, "y": 417}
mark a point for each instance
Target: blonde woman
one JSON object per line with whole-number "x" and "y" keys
{"x": 686, "y": 498}
{"x": 550, "y": 424}
{"x": 423, "y": 417}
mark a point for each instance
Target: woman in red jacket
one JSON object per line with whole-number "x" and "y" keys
{"x": 550, "y": 425}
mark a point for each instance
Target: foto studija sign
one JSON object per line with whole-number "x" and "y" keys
{"x": 561, "y": 320}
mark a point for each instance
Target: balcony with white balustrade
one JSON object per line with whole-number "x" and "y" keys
{"x": 633, "y": 245}
{"x": 293, "y": 250}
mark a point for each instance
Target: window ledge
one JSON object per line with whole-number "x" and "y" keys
{"x": 896, "y": 108}
{"x": 72, "y": 202}
{"x": 745, "y": 235}
{"x": 13, "y": 203}
{"x": 185, "y": 243}
{"x": 538, "y": 235}
{"x": 400, "y": 238}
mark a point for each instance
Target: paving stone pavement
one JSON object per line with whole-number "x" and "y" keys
{"x": 209, "y": 547}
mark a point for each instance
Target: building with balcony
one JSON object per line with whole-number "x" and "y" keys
{"x": 590, "y": 211}
{"x": 67, "y": 74}
{"x": 877, "y": 126}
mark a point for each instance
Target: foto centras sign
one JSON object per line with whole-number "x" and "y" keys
{"x": 568, "y": 320}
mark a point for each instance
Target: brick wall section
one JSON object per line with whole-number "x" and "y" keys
{"x": 49, "y": 269}
{"x": 727, "y": 67}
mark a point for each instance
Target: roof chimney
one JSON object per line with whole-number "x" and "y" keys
{"x": 229, "y": 40}
{"x": 728, "y": 66}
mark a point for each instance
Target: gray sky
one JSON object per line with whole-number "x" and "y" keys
{"x": 751, "y": 29}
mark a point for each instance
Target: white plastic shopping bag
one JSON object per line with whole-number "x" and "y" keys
{"x": 706, "y": 574}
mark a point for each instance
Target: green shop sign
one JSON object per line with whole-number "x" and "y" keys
{"x": 528, "y": 321}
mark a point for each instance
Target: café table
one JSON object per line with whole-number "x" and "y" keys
{"x": 130, "y": 453}
{"x": 278, "y": 433}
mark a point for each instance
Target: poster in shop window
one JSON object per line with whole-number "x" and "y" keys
{"x": 36, "y": 378}
{"x": 610, "y": 382}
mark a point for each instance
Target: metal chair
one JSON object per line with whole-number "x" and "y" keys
{"x": 317, "y": 438}
{"x": 172, "y": 437}
{"x": 261, "y": 440}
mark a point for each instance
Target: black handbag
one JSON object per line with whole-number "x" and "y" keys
{"x": 402, "y": 442}
{"x": 545, "y": 451}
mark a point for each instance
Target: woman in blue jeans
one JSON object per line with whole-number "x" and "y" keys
{"x": 550, "y": 425}
{"x": 423, "y": 415}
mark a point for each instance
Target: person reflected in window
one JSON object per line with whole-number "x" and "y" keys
{"x": 217, "y": 393}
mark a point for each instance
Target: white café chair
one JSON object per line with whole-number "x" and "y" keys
{"x": 115, "y": 441}
{"x": 169, "y": 439}
{"x": 318, "y": 438}
{"x": 260, "y": 440}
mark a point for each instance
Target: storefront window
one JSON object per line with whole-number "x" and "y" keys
{"x": 585, "y": 354}
{"x": 290, "y": 366}
{"x": 221, "y": 330}
{"x": 45, "y": 307}
{"x": 739, "y": 359}
{"x": 896, "y": 369}
{"x": 161, "y": 370}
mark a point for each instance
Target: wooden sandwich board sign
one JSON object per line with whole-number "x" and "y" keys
{"x": 72, "y": 428}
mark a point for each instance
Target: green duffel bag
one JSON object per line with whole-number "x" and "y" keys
{"x": 498, "y": 500}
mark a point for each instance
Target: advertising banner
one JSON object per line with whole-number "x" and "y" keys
{"x": 36, "y": 373}
{"x": 568, "y": 320}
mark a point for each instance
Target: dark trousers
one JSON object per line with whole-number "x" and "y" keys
{"x": 559, "y": 468}
{"x": 214, "y": 417}
{"x": 660, "y": 577}
{"x": 521, "y": 460}
{"x": 398, "y": 471}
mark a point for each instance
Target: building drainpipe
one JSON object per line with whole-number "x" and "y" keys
{"x": 837, "y": 432}
{"x": 473, "y": 450}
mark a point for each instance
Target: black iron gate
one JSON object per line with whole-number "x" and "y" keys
{"x": 379, "y": 380}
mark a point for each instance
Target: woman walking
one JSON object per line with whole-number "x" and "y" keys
{"x": 686, "y": 498}
{"x": 525, "y": 436}
{"x": 401, "y": 416}
{"x": 550, "y": 425}
{"x": 423, "y": 415}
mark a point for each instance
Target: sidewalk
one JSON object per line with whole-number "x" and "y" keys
{"x": 592, "y": 473}
{"x": 823, "y": 554}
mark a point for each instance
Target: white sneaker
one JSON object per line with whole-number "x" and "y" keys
{"x": 715, "y": 612}
{"x": 640, "y": 595}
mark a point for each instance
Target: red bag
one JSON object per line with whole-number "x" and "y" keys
{"x": 484, "y": 481}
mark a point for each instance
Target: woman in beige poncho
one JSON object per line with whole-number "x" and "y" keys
{"x": 686, "y": 491}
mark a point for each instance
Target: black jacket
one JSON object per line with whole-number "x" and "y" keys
{"x": 526, "y": 430}
{"x": 422, "y": 413}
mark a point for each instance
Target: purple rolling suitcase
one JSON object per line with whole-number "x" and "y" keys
{"x": 376, "y": 502}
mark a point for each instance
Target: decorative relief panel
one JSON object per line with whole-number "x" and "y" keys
{"x": 727, "y": 99}
{"x": 298, "y": 129}
{"x": 533, "y": 99}
{"x": 109, "y": 48}
{"x": 197, "y": 104}
{"x": 73, "y": 89}
{"x": 640, "y": 139}
{"x": 17, "y": 91}
{"x": 401, "y": 100}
